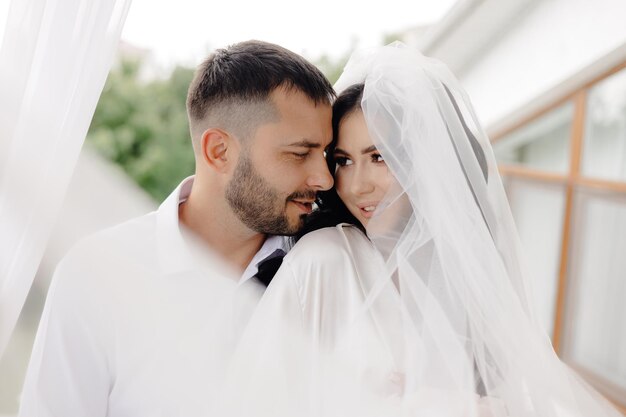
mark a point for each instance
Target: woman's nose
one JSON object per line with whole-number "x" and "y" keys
{"x": 362, "y": 182}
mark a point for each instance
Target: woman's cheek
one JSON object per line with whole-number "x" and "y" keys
{"x": 340, "y": 183}
{"x": 385, "y": 178}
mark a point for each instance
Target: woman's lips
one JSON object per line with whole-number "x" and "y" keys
{"x": 367, "y": 209}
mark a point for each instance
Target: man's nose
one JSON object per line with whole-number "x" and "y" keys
{"x": 320, "y": 178}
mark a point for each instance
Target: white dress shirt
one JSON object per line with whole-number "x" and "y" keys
{"x": 139, "y": 321}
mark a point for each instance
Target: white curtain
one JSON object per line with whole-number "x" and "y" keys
{"x": 54, "y": 59}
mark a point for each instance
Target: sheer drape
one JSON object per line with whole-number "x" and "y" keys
{"x": 54, "y": 59}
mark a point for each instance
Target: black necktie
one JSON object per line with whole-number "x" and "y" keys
{"x": 269, "y": 266}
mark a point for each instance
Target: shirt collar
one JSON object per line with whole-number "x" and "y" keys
{"x": 173, "y": 252}
{"x": 273, "y": 246}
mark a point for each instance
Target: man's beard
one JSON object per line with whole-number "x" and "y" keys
{"x": 258, "y": 205}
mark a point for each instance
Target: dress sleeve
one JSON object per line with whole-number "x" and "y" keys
{"x": 324, "y": 279}
{"x": 272, "y": 356}
{"x": 68, "y": 374}
{"x": 284, "y": 296}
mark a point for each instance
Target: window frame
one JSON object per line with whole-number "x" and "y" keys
{"x": 573, "y": 180}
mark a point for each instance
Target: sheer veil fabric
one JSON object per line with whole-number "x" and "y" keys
{"x": 471, "y": 326}
{"x": 430, "y": 313}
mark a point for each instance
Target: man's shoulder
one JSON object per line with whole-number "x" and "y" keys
{"x": 113, "y": 248}
{"x": 139, "y": 229}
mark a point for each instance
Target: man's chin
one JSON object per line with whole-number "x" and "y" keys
{"x": 295, "y": 225}
{"x": 288, "y": 226}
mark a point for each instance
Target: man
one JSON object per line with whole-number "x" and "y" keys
{"x": 141, "y": 318}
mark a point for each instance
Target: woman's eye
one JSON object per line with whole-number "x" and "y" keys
{"x": 377, "y": 158}
{"x": 342, "y": 161}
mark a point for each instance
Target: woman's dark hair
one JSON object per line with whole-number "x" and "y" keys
{"x": 331, "y": 210}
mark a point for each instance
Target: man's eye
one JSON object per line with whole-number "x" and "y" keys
{"x": 301, "y": 155}
{"x": 342, "y": 161}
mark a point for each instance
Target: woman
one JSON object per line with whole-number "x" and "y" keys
{"x": 416, "y": 301}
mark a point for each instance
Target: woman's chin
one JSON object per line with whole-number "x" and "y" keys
{"x": 364, "y": 220}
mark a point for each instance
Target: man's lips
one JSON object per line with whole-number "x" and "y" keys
{"x": 305, "y": 205}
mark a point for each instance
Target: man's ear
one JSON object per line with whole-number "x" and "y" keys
{"x": 217, "y": 147}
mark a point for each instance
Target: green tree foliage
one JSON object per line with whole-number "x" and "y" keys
{"x": 391, "y": 37}
{"x": 332, "y": 68}
{"x": 142, "y": 126}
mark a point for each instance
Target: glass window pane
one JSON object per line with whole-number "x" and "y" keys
{"x": 596, "y": 312}
{"x": 538, "y": 212}
{"x": 604, "y": 151}
{"x": 542, "y": 144}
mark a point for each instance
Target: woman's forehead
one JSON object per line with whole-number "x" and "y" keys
{"x": 353, "y": 133}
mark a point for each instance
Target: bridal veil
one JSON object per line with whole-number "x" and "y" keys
{"x": 451, "y": 246}
{"x": 442, "y": 286}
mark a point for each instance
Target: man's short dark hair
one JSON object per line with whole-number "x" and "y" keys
{"x": 231, "y": 88}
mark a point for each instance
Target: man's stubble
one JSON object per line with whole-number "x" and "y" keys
{"x": 259, "y": 205}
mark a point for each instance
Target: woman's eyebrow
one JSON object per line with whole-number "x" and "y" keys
{"x": 363, "y": 152}
{"x": 340, "y": 151}
{"x": 369, "y": 149}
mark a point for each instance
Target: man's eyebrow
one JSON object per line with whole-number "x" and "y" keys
{"x": 305, "y": 143}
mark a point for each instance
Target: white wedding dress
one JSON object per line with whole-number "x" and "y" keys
{"x": 320, "y": 345}
{"x": 312, "y": 346}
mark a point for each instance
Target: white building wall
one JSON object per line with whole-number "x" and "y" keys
{"x": 514, "y": 58}
{"x": 539, "y": 49}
